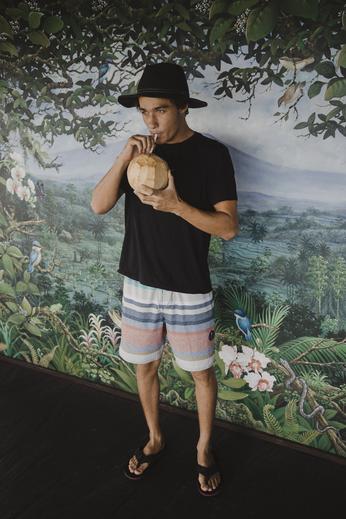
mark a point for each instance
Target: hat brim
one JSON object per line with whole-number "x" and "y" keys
{"x": 129, "y": 100}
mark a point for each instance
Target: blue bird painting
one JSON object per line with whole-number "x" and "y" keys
{"x": 35, "y": 256}
{"x": 103, "y": 70}
{"x": 243, "y": 323}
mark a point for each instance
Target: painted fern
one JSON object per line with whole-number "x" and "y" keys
{"x": 270, "y": 420}
{"x": 313, "y": 349}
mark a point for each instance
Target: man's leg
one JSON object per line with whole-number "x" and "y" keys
{"x": 149, "y": 393}
{"x": 206, "y": 395}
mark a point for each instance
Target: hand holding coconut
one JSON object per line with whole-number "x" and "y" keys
{"x": 149, "y": 175}
{"x": 166, "y": 199}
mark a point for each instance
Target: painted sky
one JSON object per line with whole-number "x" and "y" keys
{"x": 259, "y": 137}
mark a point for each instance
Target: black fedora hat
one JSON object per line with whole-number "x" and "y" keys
{"x": 162, "y": 80}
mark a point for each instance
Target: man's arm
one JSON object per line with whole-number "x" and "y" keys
{"x": 107, "y": 192}
{"x": 222, "y": 222}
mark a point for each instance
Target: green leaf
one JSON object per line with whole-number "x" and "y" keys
{"x": 12, "y": 306}
{"x": 3, "y": 222}
{"x": 21, "y": 287}
{"x": 304, "y": 8}
{"x": 17, "y": 318}
{"x": 332, "y": 113}
{"x": 33, "y": 289}
{"x": 300, "y": 126}
{"x": 336, "y": 89}
{"x": 6, "y": 288}
{"x": 163, "y": 10}
{"x": 9, "y": 48}
{"x": 129, "y": 381}
{"x": 39, "y": 38}
{"x": 184, "y": 13}
{"x": 220, "y": 28}
{"x": 8, "y": 264}
{"x": 326, "y": 69}
{"x": 234, "y": 383}
{"x": 218, "y": 7}
{"x": 311, "y": 119}
{"x": 13, "y": 251}
{"x": 239, "y": 6}
{"x": 315, "y": 89}
{"x": 33, "y": 329}
{"x": 184, "y": 27}
{"x": 261, "y": 22}
{"x": 53, "y": 24}
{"x": 35, "y": 19}
{"x": 72, "y": 22}
{"x": 5, "y": 27}
{"x": 26, "y": 305}
{"x": 15, "y": 13}
{"x": 231, "y": 395}
{"x": 183, "y": 374}
{"x": 341, "y": 57}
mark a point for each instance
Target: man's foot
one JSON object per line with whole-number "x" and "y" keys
{"x": 152, "y": 447}
{"x": 206, "y": 458}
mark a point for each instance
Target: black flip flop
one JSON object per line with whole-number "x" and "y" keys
{"x": 208, "y": 472}
{"x": 143, "y": 458}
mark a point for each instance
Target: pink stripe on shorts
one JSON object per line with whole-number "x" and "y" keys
{"x": 149, "y": 314}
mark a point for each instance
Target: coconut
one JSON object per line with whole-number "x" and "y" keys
{"x": 148, "y": 169}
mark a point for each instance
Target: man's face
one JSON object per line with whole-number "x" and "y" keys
{"x": 161, "y": 116}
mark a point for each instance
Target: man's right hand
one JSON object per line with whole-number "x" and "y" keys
{"x": 136, "y": 145}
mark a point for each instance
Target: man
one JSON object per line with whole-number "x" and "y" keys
{"x": 167, "y": 288}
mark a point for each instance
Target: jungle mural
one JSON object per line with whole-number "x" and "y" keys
{"x": 274, "y": 76}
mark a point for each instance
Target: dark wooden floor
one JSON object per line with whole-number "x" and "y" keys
{"x": 62, "y": 446}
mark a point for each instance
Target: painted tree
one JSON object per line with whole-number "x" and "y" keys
{"x": 63, "y": 64}
{"x": 317, "y": 275}
{"x": 338, "y": 281}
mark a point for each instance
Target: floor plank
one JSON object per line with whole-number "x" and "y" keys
{"x": 63, "y": 444}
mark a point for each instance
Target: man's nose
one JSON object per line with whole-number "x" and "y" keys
{"x": 152, "y": 121}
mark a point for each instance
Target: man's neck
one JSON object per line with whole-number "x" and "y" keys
{"x": 182, "y": 136}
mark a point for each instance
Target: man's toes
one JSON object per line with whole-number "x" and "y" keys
{"x": 140, "y": 469}
{"x": 215, "y": 482}
{"x": 204, "y": 484}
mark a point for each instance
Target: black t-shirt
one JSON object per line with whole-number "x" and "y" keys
{"x": 161, "y": 249}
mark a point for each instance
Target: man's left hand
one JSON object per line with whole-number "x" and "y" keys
{"x": 161, "y": 199}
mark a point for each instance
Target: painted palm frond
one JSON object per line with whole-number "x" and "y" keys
{"x": 304, "y": 352}
{"x": 232, "y": 298}
{"x": 266, "y": 330}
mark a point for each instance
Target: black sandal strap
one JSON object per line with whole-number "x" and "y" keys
{"x": 142, "y": 458}
{"x": 207, "y": 471}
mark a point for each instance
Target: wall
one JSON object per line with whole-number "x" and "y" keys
{"x": 275, "y": 89}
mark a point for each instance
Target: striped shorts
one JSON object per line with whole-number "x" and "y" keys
{"x": 150, "y": 314}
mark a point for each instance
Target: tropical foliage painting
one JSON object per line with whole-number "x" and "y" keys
{"x": 274, "y": 76}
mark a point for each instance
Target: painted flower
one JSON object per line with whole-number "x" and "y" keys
{"x": 23, "y": 192}
{"x": 31, "y": 185}
{"x": 229, "y": 355}
{"x": 260, "y": 381}
{"x": 252, "y": 360}
{"x": 17, "y": 157}
{"x": 18, "y": 173}
{"x": 13, "y": 185}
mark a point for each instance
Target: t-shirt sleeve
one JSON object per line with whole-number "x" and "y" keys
{"x": 221, "y": 183}
{"x": 124, "y": 183}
